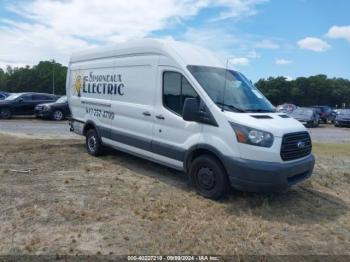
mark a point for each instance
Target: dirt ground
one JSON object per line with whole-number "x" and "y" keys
{"x": 56, "y": 199}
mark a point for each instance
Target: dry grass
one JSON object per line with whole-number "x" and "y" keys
{"x": 66, "y": 202}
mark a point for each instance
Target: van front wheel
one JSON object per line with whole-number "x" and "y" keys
{"x": 93, "y": 143}
{"x": 209, "y": 177}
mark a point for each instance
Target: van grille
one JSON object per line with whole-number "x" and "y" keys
{"x": 295, "y": 145}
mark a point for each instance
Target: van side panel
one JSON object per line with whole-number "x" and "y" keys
{"x": 118, "y": 96}
{"x": 130, "y": 124}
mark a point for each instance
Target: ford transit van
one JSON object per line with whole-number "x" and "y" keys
{"x": 180, "y": 106}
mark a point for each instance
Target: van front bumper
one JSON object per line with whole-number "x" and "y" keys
{"x": 259, "y": 176}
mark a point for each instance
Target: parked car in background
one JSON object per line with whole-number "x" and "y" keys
{"x": 3, "y": 95}
{"x": 343, "y": 118}
{"x": 286, "y": 108}
{"x": 325, "y": 113}
{"x": 23, "y": 103}
{"x": 307, "y": 116}
{"x": 58, "y": 110}
{"x": 332, "y": 116}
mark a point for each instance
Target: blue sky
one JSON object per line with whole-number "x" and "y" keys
{"x": 262, "y": 38}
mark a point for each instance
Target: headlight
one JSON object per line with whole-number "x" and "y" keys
{"x": 252, "y": 136}
{"x": 46, "y": 108}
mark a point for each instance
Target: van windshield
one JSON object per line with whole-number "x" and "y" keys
{"x": 230, "y": 90}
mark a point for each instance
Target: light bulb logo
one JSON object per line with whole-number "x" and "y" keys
{"x": 77, "y": 84}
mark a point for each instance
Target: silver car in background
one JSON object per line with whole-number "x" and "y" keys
{"x": 307, "y": 116}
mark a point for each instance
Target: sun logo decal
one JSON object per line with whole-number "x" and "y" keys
{"x": 77, "y": 84}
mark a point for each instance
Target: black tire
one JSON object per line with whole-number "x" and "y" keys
{"x": 5, "y": 113}
{"x": 209, "y": 177}
{"x": 57, "y": 115}
{"x": 93, "y": 143}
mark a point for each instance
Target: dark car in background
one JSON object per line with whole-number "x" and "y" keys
{"x": 343, "y": 118}
{"x": 325, "y": 113}
{"x": 58, "y": 110}
{"x": 23, "y": 103}
{"x": 3, "y": 95}
{"x": 307, "y": 116}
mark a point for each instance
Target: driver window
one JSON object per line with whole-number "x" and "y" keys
{"x": 176, "y": 89}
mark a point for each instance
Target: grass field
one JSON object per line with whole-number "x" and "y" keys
{"x": 56, "y": 199}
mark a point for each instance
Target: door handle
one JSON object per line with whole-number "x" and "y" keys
{"x": 146, "y": 113}
{"x": 160, "y": 117}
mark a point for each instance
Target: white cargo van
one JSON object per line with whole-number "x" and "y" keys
{"x": 177, "y": 105}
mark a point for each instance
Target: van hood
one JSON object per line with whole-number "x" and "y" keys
{"x": 278, "y": 124}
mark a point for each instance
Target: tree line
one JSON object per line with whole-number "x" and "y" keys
{"x": 50, "y": 76}
{"x": 307, "y": 91}
{"x": 45, "y": 77}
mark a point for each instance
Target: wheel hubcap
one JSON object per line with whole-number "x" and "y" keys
{"x": 92, "y": 143}
{"x": 5, "y": 113}
{"x": 58, "y": 115}
{"x": 206, "y": 178}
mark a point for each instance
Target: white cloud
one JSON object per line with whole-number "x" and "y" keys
{"x": 54, "y": 29}
{"x": 225, "y": 44}
{"x": 341, "y": 32}
{"x": 24, "y": 44}
{"x": 313, "y": 44}
{"x": 237, "y": 8}
{"x": 289, "y": 78}
{"x": 239, "y": 61}
{"x": 283, "y": 61}
{"x": 253, "y": 54}
{"x": 267, "y": 44}
{"x": 214, "y": 38}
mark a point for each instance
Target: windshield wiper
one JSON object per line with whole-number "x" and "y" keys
{"x": 231, "y": 107}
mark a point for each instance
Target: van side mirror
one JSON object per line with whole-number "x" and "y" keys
{"x": 20, "y": 99}
{"x": 191, "y": 110}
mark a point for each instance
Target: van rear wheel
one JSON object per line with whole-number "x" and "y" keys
{"x": 209, "y": 177}
{"x": 93, "y": 143}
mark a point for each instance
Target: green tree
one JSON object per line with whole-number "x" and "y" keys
{"x": 39, "y": 78}
{"x": 306, "y": 91}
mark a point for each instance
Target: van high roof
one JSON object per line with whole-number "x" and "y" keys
{"x": 183, "y": 53}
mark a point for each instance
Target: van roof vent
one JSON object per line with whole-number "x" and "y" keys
{"x": 261, "y": 116}
{"x": 284, "y": 116}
